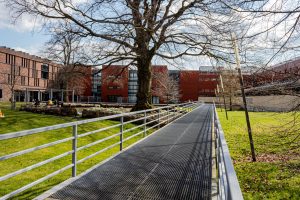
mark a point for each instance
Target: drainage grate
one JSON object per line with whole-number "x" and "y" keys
{"x": 174, "y": 163}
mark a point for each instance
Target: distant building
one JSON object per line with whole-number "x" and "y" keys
{"x": 96, "y": 82}
{"x": 25, "y": 73}
{"x": 120, "y": 84}
{"x": 280, "y": 73}
{"x": 32, "y": 77}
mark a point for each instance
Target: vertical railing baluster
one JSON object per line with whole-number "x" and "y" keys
{"x": 145, "y": 120}
{"x": 167, "y": 115}
{"x": 158, "y": 118}
{"x": 121, "y": 132}
{"x": 74, "y": 149}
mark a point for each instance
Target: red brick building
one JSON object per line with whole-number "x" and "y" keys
{"x": 282, "y": 72}
{"x": 114, "y": 83}
{"x": 121, "y": 85}
{"x": 158, "y": 84}
{"x": 22, "y": 72}
{"x": 32, "y": 77}
{"x": 194, "y": 84}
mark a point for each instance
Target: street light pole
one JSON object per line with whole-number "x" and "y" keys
{"x": 236, "y": 52}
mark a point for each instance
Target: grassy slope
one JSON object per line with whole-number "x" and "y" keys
{"x": 15, "y": 121}
{"x": 276, "y": 175}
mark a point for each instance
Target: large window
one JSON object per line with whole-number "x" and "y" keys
{"x": 36, "y": 82}
{"x": 45, "y": 71}
{"x": 25, "y": 62}
{"x": 10, "y": 59}
{"x": 34, "y": 71}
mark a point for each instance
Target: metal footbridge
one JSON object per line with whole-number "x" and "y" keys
{"x": 177, "y": 161}
{"x": 173, "y": 163}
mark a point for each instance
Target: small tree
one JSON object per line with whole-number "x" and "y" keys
{"x": 167, "y": 87}
{"x": 11, "y": 78}
{"x": 67, "y": 49}
{"x": 231, "y": 84}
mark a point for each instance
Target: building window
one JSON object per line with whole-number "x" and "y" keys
{"x": 45, "y": 71}
{"x": 25, "y": 62}
{"x": 34, "y": 71}
{"x": 16, "y": 70}
{"x": 114, "y": 87}
{"x": 155, "y": 100}
{"x": 36, "y": 82}
{"x": 22, "y": 80}
{"x": 10, "y": 59}
{"x": 0, "y": 93}
{"x": 112, "y": 98}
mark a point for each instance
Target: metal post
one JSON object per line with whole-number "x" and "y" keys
{"x": 167, "y": 115}
{"x": 145, "y": 120}
{"x": 244, "y": 98}
{"x": 26, "y": 95}
{"x": 121, "y": 132}
{"x": 51, "y": 94}
{"x": 158, "y": 118}
{"x": 74, "y": 149}
{"x": 73, "y": 93}
{"x": 39, "y": 95}
{"x": 62, "y": 95}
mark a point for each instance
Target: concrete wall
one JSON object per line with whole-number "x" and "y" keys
{"x": 263, "y": 103}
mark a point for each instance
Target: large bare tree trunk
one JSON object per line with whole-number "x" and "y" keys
{"x": 144, "y": 83}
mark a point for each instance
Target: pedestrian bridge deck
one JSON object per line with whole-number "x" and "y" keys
{"x": 173, "y": 163}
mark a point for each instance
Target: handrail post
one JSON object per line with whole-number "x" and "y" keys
{"x": 145, "y": 120}
{"x": 167, "y": 115}
{"x": 158, "y": 118}
{"x": 121, "y": 132}
{"x": 174, "y": 114}
{"x": 74, "y": 149}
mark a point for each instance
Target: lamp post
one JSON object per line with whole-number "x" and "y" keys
{"x": 236, "y": 52}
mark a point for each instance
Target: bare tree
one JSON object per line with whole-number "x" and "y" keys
{"x": 166, "y": 87}
{"x": 11, "y": 77}
{"x": 67, "y": 49}
{"x": 231, "y": 84}
{"x": 136, "y": 31}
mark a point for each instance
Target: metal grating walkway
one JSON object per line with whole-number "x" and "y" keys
{"x": 174, "y": 163}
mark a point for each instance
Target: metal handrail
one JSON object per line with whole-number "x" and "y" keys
{"x": 164, "y": 115}
{"x": 228, "y": 184}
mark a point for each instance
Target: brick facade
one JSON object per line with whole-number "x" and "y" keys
{"x": 23, "y": 72}
{"x": 114, "y": 83}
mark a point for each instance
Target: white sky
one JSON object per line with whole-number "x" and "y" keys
{"x": 26, "y": 35}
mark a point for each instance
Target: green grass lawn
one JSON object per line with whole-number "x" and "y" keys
{"x": 276, "y": 174}
{"x": 16, "y": 121}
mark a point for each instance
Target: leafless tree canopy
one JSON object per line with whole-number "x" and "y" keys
{"x": 136, "y": 31}
{"x": 67, "y": 49}
{"x": 167, "y": 88}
